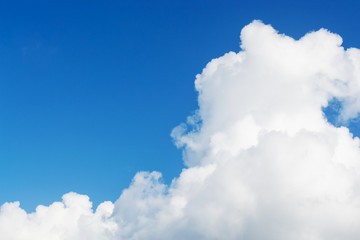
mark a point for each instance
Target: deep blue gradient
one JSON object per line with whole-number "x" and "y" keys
{"x": 90, "y": 90}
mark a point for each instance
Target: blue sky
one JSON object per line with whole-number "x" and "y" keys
{"x": 92, "y": 89}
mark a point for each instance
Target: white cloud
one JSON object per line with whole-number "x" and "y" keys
{"x": 262, "y": 161}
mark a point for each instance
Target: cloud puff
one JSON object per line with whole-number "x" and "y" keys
{"x": 262, "y": 160}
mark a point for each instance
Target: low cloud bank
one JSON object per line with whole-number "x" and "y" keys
{"x": 262, "y": 160}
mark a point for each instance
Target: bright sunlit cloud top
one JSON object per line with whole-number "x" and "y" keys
{"x": 263, "y": 161}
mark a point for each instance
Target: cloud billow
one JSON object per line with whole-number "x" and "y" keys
{"x": 262, "y": 160}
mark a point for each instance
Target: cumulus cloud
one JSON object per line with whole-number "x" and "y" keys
{"x": 262, "y": 162}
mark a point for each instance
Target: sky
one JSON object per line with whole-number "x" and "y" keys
{"x": 93, "y": 91}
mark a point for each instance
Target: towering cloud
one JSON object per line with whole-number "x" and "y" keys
{"x": 262, "y": 160}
